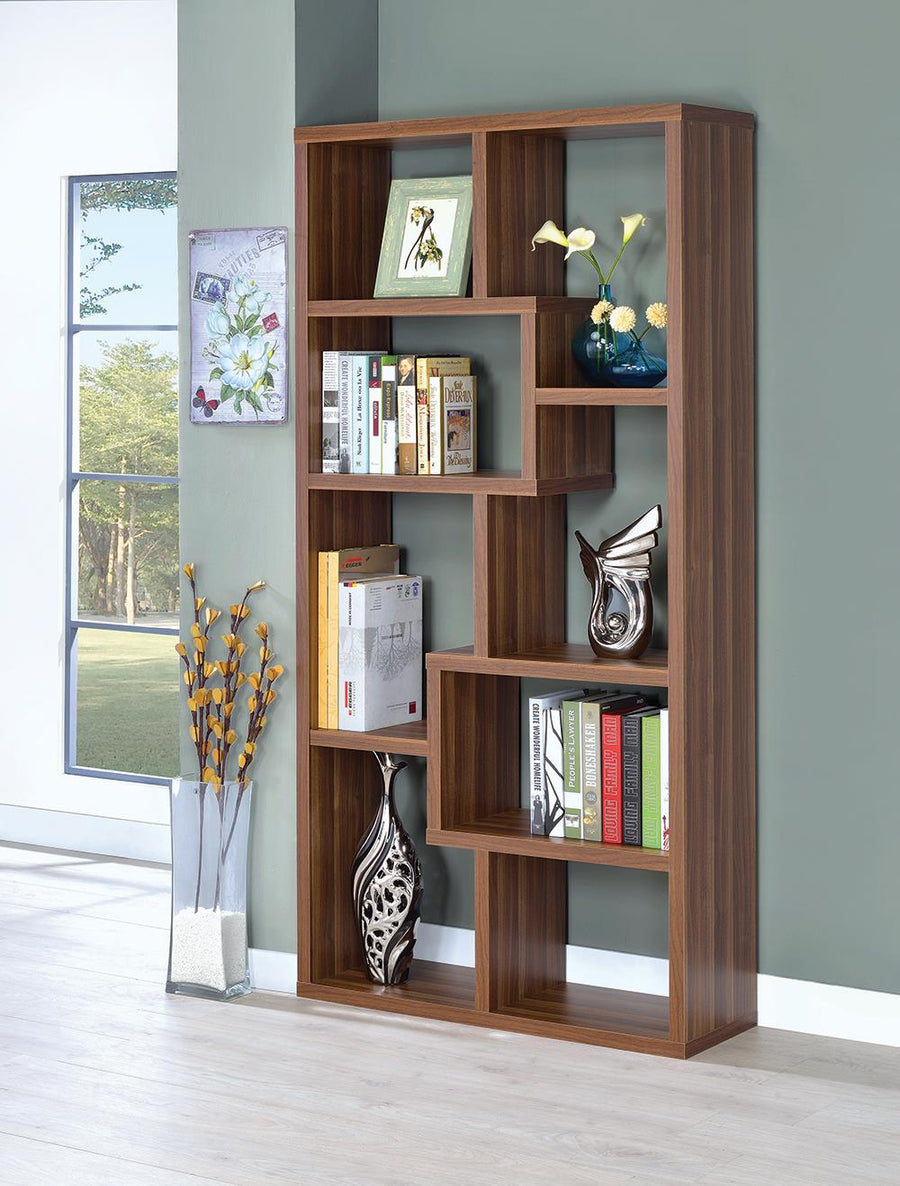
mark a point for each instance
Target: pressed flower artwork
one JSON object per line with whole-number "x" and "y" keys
{"x": 427, "y": 243}
{"x": 238, "y": 326}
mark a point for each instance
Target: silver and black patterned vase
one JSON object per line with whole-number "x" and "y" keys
{"x": 387, "y": 887}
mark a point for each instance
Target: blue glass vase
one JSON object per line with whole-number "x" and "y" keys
{"x": 633, "y": 366}
{"x": 594, "y": 345}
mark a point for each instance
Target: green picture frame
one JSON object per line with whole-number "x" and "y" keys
{"x": 426, "y": 249}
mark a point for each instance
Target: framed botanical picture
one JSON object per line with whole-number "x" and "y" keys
{"x": 239, "y": 302}
{"x": 427, "y": 244}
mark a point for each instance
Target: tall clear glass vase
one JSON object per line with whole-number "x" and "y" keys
{"x": 208, "y": 937}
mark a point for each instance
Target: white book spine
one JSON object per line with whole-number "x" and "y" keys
{"x": 664, "y": 776}
{"x": 553, "y": 766}
{"x": 435, "y": 424}
{"x": 345, "y": 411}
{"x": 331, "y": 445}
{"x": 389, "y": 447}
{"x": 389, "y": 455}
{"x": 359, "y": 460}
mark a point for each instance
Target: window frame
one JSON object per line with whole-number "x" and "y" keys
{"x": 72, "y": 623}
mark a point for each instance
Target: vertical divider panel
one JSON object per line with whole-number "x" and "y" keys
{"x": 348, "y": 188}
{"x": 520, "y": 928}
{"x": 518, "y": 183}
{"x": 519, "y": 577}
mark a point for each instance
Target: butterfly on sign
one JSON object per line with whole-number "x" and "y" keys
{"x": 208, "y": 405}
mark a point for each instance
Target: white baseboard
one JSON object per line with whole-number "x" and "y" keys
{"x": 832, "y": 1010}
{"x": 829, "y": 1010}
{"x": 133, "y": 839}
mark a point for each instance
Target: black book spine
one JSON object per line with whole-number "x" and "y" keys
{"x": 631, "y": 778}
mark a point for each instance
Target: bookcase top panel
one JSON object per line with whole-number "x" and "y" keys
{"x": 577, "y": 123}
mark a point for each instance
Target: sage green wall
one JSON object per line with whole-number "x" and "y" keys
{"x": 235, "y": 168}
{"x": 822, "y": 80}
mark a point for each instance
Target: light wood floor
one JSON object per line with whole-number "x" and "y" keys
{"x": 105, "y": 1079}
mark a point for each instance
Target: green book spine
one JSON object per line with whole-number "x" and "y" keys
{"x": 572, "y": 768}
{"x": 651, "y": 832}
{"x": 591, "y": 813}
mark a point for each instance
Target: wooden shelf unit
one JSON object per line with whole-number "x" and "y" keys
{"x": 471, "y": 739}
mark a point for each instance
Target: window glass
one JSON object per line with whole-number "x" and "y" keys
{"x": 127, "y": 688}
{"x": 125, "y": 242}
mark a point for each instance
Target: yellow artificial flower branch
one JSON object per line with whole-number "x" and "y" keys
{"x": 211, "y": 708}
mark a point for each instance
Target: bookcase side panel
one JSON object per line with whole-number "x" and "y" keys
{"x": 519, "y": 579}
{"x": 347, "y": 194}
{"x": 711, "y": 582}
{"x": 518, "y": 183}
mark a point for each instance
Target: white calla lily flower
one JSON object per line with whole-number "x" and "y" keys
{"x": 630, "y": 223}
{"x": 550, "y": 233}
{"x": 581, "y": 239}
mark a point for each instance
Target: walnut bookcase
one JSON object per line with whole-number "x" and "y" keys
{"x": 472, "y": 737}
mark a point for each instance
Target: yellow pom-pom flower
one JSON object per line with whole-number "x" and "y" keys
{"x": 601, "y": 311}
{"x": 658, "y": 315}
{"x": 188, "y": 570}
{"x": 253, "y": 589}
{"x": 262, "y": 630}
{"x": 181, "y": 649}
{"x": 622, "y": 319}
{"x": 274, "y": 672}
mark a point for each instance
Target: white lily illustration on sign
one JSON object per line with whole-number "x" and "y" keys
{"x": 240, "y": 347}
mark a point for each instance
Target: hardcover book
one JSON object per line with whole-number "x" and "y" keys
{"x": 331, "y": 421}
{"x": 547, "y": 813}
{"x": 452, "y": 424}
{"x": 373, "y": 362}
{"x": 335, "y": 567}
{"x": 389, "y": 441}
{"x": 664, "y": 778}
{"x": 380, "y": 682}
{"x": 651, "y": 836}
{"x": 591, "y": 787}
{"x": 571, "y": 726}
{"x": 611, "y": 762}
{"x": 359, "y": 414}
{"x": 426, "y": 367}
{"x": 345, "y": 411}
{"x": 406, "y": 414}
{"x": 631, "y": 775}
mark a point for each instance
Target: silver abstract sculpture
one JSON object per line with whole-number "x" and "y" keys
{"x": 387, "y": 887}
{"x": 621, "y": 618}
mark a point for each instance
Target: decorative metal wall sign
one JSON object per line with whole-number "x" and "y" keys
{"x": 621, "y": 617}
{"x": 387, "y": 888}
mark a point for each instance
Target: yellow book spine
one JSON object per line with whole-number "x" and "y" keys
{"x": 322, "y": 648}
{"x": 333, "y": 582}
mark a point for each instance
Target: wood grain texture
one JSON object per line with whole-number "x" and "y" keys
{"x": 466, "y": 306}
{"x": 589, "y": 122}
{"x": 520, "y": 928}
{"x": 485, "y": 481}
{"x": 342, "y": 252}
{"x": 604, "y": 397}
{"x": 711, "y": 575}
{"x": 473, "y": 771}
{"x": 399, "y": 739}
{"x": 472, "y": 737}
{"x": 519, "y": 572}
{"x": 110, "y": 1081}
{"x": 518, "y": 182}
{"x": 564, "y": 661}
{"x": 510, "y": 832}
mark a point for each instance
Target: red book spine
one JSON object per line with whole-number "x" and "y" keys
{"x": 611, "y": 733}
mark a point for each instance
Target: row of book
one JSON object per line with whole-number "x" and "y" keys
{"x": 369, "y": 640}
{"x": 398, "y": 414}
{"x": 600, "y": 768}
